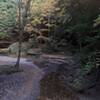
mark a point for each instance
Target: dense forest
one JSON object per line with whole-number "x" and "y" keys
{"x": 62, "y": 37}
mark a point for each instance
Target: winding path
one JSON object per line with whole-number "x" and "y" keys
{"x": 23, "y": 85}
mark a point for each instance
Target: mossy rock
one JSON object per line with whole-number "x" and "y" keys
{"x": 13, "y": 49}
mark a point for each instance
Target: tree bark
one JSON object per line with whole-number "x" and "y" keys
{"x": 17, "y": 65}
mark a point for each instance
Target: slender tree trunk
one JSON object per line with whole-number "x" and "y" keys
{"x": 19, "y": 52}
{"x": 20, "y": 34}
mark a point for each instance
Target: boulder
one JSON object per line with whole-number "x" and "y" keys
{"x": 50, "y": 63}
{"x": 13, "y": 49}
{"x": 34, "y": 53}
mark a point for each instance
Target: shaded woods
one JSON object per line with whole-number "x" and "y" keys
{"x": 57, "y": 37}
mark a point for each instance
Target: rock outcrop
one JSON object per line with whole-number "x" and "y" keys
{"x": 68, "y": 71}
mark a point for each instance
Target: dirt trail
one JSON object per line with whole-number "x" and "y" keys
{"x": 26, "y": 85}
{"x": 20, "y": 86}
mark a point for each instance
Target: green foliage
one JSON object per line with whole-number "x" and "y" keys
{"x": 7, "y": 16}
{"x": 70, "y": 20}
{"x": 3, "y": 35}
{"x": 97, "y": 21}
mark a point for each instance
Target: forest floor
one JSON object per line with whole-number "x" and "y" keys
{"x": 25, "y": 85}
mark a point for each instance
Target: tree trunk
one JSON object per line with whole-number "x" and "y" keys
{"x": 20, "y": 34}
